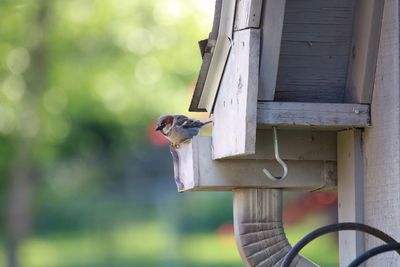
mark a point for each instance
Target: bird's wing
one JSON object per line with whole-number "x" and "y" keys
{"x": 192, "y": 123}
{"x": 180, "y": 120}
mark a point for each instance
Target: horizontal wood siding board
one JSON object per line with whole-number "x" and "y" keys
{"x": 306, "y": 93}
{"x": 310, "y": 114}
{"x": 314, "y": 52}
{"x": 314, "y": 48}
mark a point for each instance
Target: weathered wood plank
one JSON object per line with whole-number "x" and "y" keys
{"x": 381, "y": 142}
{"x": 313, "y": 114}
{"x": 234, "y": 129}
{"x": 219, "y": 57}
{"x": 206, "y": 55}
{"x": 365, "y": 44}
{"x": 296, "y": 145}
{"x": 199, "y": 172}
{"x": 248, "y": 14}
{"x": 315, "y": 51}
{"x": 272, "y": 23}
{"x": 350, "y": 167}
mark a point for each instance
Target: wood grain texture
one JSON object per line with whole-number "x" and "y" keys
{"x": 365, "y": 43}
{"x": 206, "y": 55}
{"x": 350, "y": 193}
{"x": 198, "y": 172}
{"x": 248, "y": 14}
{"x": 381, "y": 141}
{"x": 219, "y": 57}
{"x": 314, "y": 51}
{"x": 234, "y": 129}
{"x": 313, "y": 114}
{"x": 272, "y": 24}
{"x": 259, "y": 233}
{"x": 296, "y": 145}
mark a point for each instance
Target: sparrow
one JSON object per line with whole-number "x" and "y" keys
{"x": 179, "y": 129}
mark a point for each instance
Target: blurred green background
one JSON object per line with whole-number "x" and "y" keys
{"x": 84, "y": 181}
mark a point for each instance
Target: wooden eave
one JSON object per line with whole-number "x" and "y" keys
{"x": 215, "y": 51}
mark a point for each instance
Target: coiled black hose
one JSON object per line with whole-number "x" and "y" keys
{"x": 373, "y": 252}
{"x": 335, "y": 228}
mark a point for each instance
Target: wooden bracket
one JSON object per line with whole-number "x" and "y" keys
{"x": 195, "y": 170}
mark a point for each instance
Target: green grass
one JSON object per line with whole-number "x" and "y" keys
{"x": 154, "y": 244}
{"x": 150, "y": 244}
{"x": 323, "y": 250}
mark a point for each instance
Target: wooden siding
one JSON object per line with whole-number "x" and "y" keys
{"x": 381, "y": 142}
{"x": 314, "y": 51}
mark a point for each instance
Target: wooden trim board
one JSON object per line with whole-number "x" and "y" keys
{"x": 248, "y": 14}
{"x": 364, "y": 50}
{"x": 199, "y": 172}
{"x": 350, "y": 188}
{"x": 235, "y": 111}
{"x": 272, "y": 26}
{"x": 320, "y": 115}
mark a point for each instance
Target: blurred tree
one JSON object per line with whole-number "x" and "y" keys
{"x": 80, "y": 83}
{"x": 28, "y": 64}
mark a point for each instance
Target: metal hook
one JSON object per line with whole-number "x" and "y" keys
{"x": 278, "y": 158}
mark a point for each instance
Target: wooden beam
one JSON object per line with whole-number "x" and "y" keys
{"x": 196, "y": 171}
{"x": 364, "y": 53}
{"x": 381, "y": 142}
{"x": 320, "y": 115}
{"x": 234, "y": 129}
{"x": 272, "y": 24}
{"x": 248, "y": 14}
{"x": 350, "y": 167}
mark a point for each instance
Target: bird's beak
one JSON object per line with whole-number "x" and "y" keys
{"x": 158, "y": 128}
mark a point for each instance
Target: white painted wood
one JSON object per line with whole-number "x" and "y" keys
{"x": 364, "y": 51}
{"x": 198, "y": 172}
{"x": 248, "y": 14}
{"x": 234, "y": 129}
{"x": 350, "y": 167}
{"x": 313, "y": 114}
{"x": 272, "y": 23}
{"x": 220, "y": 56}
{"x": 381, "y": 141}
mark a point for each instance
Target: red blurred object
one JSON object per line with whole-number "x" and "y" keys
{"x": 155, "y": 137}
{"x": 225, "y": 229}
{"x": 300, "y": 207}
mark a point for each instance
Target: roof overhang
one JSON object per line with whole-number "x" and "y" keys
{"x": 215, "y": 51}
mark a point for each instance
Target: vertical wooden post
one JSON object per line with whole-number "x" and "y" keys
{"x": 350, "y": 193}
{"x": 381, "y": 142}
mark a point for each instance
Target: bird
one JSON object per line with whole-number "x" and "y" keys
{"x": 179, "y": 129}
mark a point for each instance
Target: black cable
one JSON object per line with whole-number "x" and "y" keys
{"x": 335, "y": 228}
{"x": 373, "y": 252}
